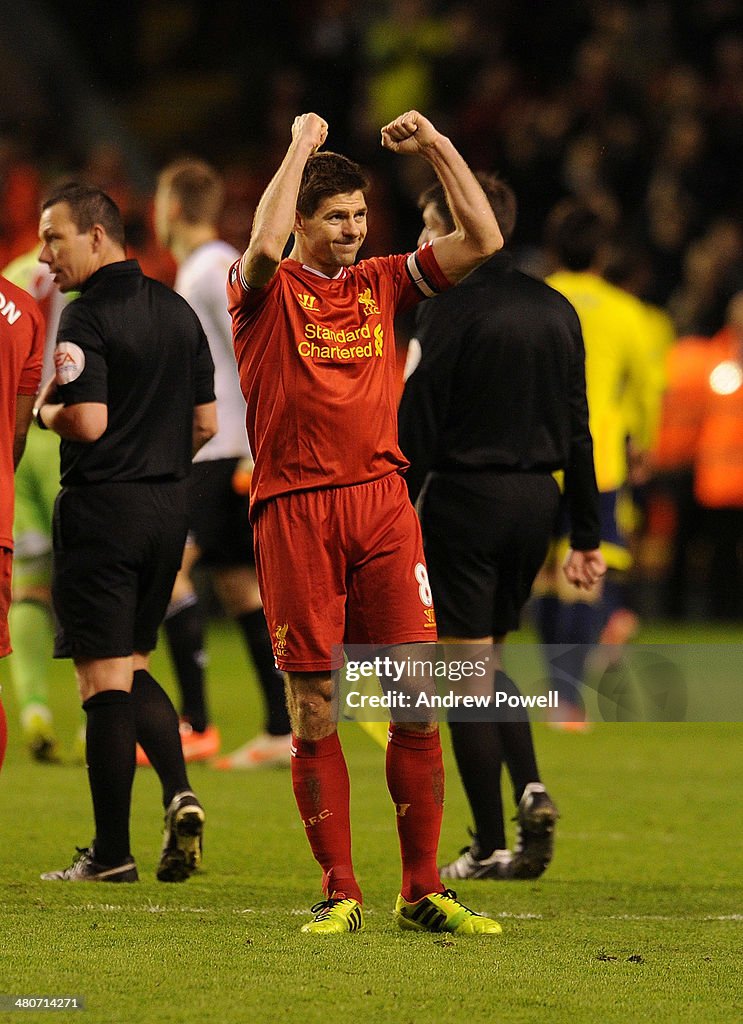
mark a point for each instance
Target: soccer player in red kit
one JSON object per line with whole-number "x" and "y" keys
{"x": 21, "y": 353}
{"x": 338, "y": 546}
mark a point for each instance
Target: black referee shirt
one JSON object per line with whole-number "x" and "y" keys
{"x": 136, "y": 346}
{"x": 501, "y": 386}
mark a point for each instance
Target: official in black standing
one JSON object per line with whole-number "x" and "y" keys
{"x": 132, "y": 399}
{"x": 495, "y": 406}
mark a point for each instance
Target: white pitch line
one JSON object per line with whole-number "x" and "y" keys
{"x": 673, "y": 917}
{"x": 156, "y": 908}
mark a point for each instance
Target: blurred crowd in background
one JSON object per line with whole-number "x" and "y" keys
{"x": 633, "y": 107}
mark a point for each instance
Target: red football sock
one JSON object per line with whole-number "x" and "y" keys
{"x": 321, "y": 789}
{"x": 415, "y": 779}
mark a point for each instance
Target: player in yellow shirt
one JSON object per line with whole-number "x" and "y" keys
{"x": 629, "y": 267}
{"x": 623, "y": 408}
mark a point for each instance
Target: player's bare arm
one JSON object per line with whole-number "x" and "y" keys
{"x": 23, "y": 411}
{"x": 274, "y": 218}
{"x": 476, "y": 236}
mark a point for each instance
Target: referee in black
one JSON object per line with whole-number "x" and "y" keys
{"x": 132, "y": 400}
{"x": 495, "y": 406}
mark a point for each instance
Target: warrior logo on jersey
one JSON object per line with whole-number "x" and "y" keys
{"x": 378, "y": 340}
{"x": 69, "y": 362}
{"x": 366, "y": 300}
{"x": 307, "y": 301}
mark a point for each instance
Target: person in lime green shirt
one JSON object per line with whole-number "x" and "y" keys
{"x": 623, "y": 402}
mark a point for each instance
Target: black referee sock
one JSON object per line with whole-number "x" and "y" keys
{"x": 110, "y": 741}
{"x": 478, "y": 754}
{"x": 255, "y": 631}
{"x": 157, "y": 733}
{"x": 184, "y": 629}
{"x": 516, "y": 741}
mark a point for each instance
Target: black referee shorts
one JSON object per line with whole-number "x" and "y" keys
{"x": 486, "y": 536}
{"x": 117, "y": 549}
{"x": 218, "y": 515}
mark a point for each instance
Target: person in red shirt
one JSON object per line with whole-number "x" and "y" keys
{"x": 22, "y": 335}
{"x": 338, "y": 545}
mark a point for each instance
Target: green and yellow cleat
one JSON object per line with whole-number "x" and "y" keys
{"x": 334, "y": 917}
{"x": 442, "y": 912}
{"x": 39, "y": 735}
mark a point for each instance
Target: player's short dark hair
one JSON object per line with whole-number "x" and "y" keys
{"x": 575, "y": 234}
{"x": 328, "y": 174}
{"x": 197, "y": 186}
{"x": 499, "y": 194}
{"x": 89, "y": 206}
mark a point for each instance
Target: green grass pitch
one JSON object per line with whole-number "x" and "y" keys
{"x": 639, "y": 918}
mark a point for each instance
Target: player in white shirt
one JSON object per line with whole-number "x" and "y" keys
{"x": 188, "y": 204}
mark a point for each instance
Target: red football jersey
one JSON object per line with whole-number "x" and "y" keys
{"x": 21, "y": 351}
{"x": 317, "y": 366}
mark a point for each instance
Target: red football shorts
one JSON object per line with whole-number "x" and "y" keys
{"x": 342, "y": 565}
{"x": 6, "y": 571}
